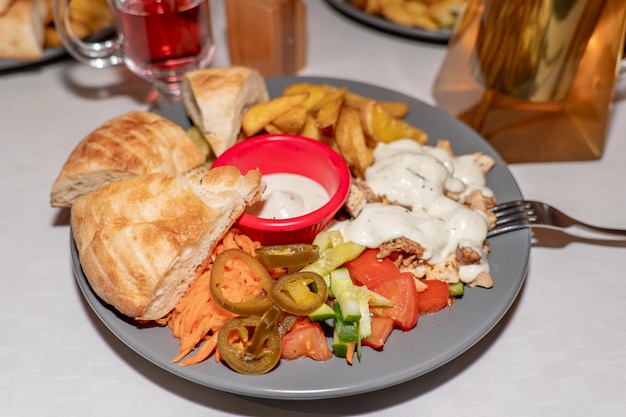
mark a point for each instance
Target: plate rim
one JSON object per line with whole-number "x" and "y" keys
{"x": 234, "y": 384}
{"x": 377, "y": 22}
{"x": 50, "y": 54}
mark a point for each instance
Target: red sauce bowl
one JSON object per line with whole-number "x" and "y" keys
{"x": 292, "y": 154}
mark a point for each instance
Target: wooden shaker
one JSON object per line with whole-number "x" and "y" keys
{"x": 267, "y": 35}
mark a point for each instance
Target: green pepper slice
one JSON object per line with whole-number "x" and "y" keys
{"x": 270, "y": 319}
{"x": 299, "y": 293}
{"x": 255, "y": 306}
{"x": 233, "y": 347}
{"x": 292, "y": 257}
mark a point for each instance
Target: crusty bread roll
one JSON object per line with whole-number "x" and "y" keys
{"x": 217, "y": 98}
{"x": 136, "y": 143}
{"x": 22, "y": 29}
{"x": 140, "y": 240}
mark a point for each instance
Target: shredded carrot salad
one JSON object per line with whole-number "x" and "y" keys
{"x": 196, "y": 319}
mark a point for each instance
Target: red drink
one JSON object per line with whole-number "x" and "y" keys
{"x": 162, "y": 38}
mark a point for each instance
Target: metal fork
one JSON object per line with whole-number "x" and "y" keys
{"x": 520, "y": 214}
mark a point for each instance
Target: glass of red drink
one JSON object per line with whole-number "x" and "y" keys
{"x": 159, "y": 40}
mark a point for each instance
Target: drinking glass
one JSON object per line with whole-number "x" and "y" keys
{"x": 159, "y": 40}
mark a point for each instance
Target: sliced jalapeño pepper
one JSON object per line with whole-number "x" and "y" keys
{"x": 293, "y": 256}
{"x": 271, "y": 318}
{"x": 255, "y": 306}
{"x": 234, "y": 337}
{"x": 299, "y": 293}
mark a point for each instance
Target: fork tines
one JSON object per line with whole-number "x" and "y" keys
{"x": 519, "y": 212}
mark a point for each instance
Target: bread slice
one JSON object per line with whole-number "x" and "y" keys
{"x": 141, "y": 240}
{"x": 22, "y": 29}
{"x": 217, "y": 98}
{"x": 4, "y": 6}
{"x": 133, "y": 144}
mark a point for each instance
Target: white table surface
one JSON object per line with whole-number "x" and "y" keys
{"x": 560, "y": 350}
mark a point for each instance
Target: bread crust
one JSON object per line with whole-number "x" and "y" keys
{"x": 140, "y": 240}
{"x": 216, "y": 99}
{"x": 22, "y": 29}
{"x": 135, "y": 143}
{"x": 5, "y": 5}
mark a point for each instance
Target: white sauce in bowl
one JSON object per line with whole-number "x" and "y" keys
{"x": 417, "y": 177}
{"x": 287, "y": 196}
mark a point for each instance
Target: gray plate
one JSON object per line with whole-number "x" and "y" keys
{"x": 437, "y": 339}
{"x": 347, "y": 8}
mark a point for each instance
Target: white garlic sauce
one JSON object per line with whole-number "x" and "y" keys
{"x": 417, "y": 176}
{"x": 288, "y": 195}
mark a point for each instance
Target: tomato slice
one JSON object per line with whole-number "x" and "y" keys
{"x": 434, "y": 298}
{"x": 381, "y": 329}
{"x": 306, "y": 341}
{"x": 367, "y": 269}
{"x": 401, "y": 290}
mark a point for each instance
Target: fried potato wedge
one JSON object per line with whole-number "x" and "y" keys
{"x": 310, "y": 129}
{"x": 351, "y": 142}
{"x": 431, "y": 15}
{"x": 291, "y": 122}
{"x": 380, "y": 126}
{"x": 349, "y": 123}
{"x": 396, "y": 13}
{"x": 396, "y": 109}
{"x": 262, "y": 114}
{"x": 328, "y": 114}
{"x": 420, "y": 16}
{"x": 316, "y": 93}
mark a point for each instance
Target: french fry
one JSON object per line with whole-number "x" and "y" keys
{"x": 316, "y": 93}
{"x": 348, "y": 122}
{"x": 351, "y": 143}
{"x": 446, "y": 12}
{"x": 86, "y": 17}
{"x": 262, "y": 114}
{"x": 380, "y": 126}
{"x": 431, "y": 15}
{"x": 272, "y": 129}
{"x": 397, "y": 109}
{"x": 396, "y": 13}
{"x": 327, "y": 116}
{"x": 419, "y": 15}
{"x": 373, "y": 6}
{"x": 310, "y": 129}
{"x": 332, "y": 94}
{"x": 291, "y": 122}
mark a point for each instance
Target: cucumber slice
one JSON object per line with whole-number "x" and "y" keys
{"x": 345, "y": 294}
{"x": 456, "y": 289}
{"x": 324, "y": 312}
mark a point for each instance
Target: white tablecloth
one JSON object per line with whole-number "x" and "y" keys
{"x": 560, "y": 350}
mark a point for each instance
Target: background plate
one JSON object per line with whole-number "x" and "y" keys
{"x": 377, "y": 22}
{"x": 50, "y": 54}
{"x": 438, "y": 338}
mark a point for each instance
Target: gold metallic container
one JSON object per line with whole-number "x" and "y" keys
{"x": 535, "y": 77}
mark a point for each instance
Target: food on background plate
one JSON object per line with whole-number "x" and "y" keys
{"x": 431, "y": 15}
{"x": 4, "y": 5}
{"x": 217, "y": 98}
{"x": 27, "y": 26}
{"x": 22, "y": 29}
{"x": 133, "y": 144}
{"x": 141, "y": 240}
{"x": 87, "y": 17}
